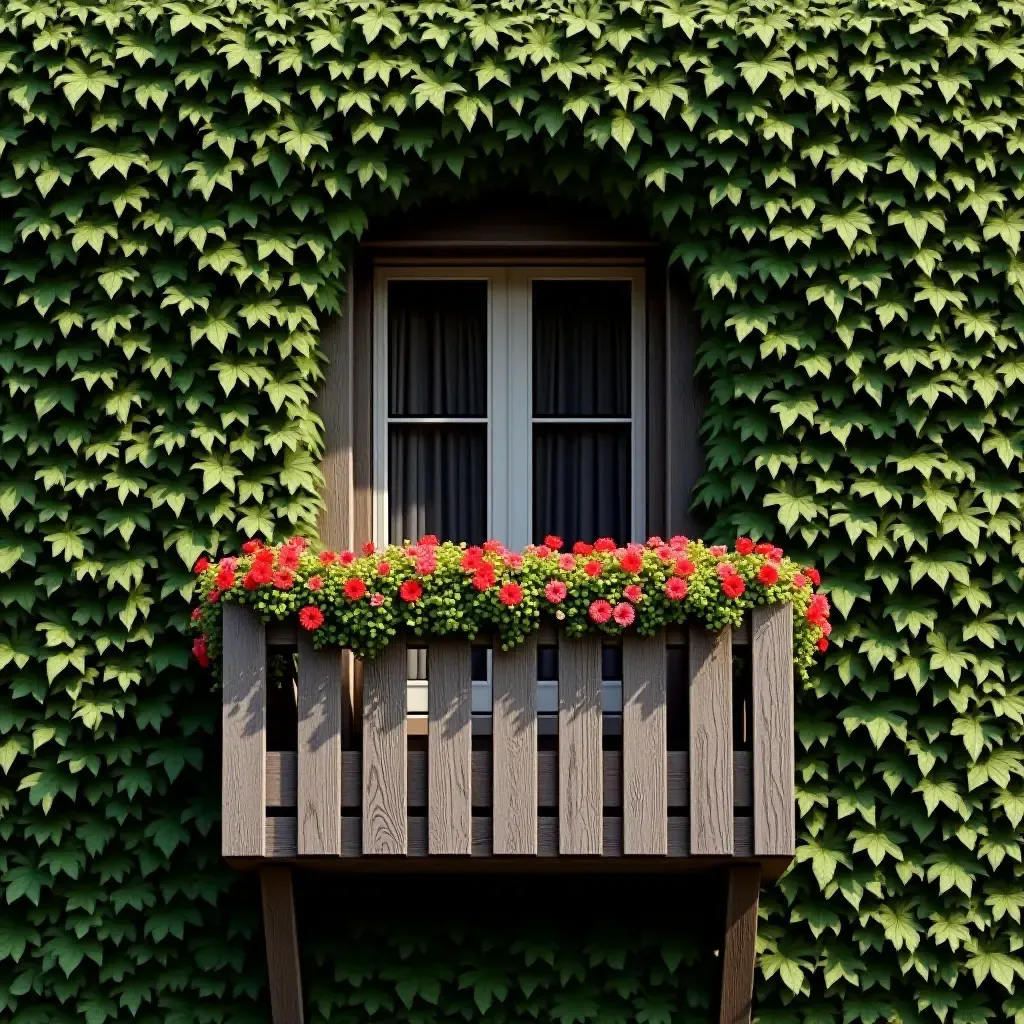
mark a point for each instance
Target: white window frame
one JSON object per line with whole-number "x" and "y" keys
{"x": 510, "y": 391}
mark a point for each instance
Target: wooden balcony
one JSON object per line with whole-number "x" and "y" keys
{"x": 681, "y": 763}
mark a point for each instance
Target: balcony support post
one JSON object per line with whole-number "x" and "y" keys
{"x": 282, "y": 943}
{"x": 738, "y": 949}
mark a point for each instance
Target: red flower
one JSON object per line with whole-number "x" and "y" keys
{"x": 592, "y": 568}
{"x": 513, "y": 560}
{"x": 768, "y": 575}
{"x": 493, "y": 547}
{"x": 665, "y": 553}
{"x": 826, "y": 628}
{"x": 763, "y": 549}
{"x": 725, "y": 570}
{"x": 554, "y": 542}
{"x": 213, "y": 597}
{"x": 428, "y": 540}
{"x": 355, "y": 589}
{"x": 556, "y": 591}
{"x": 542, "y": 551}
{"x": 581, "y": 547}
{"x": 426, "y": 563}
{"x": 733, "y": 586}
{"x": 202, "y": 564}
{"x": 376, "y": 600}
{"x": 368, "y": 548}
{"x": 676, "y": 588}
{"x": 282, "y": 579}
{"x": 261, "y": 572}
{"x": 632, "y": 593}
{"x": 472, "y": 559}
{"x": 684, "y": 567}
{"x": 311, "y": 617}
{"x": 346, "y": 557}
{"x": 299, "y": 543}
{"x": 624, "y": 614}
{"x": 199, "y": 650}
{"x": 600, "y": 611}
{"x": 823, "y": 645}
{"x": 776, "y": 554}
{"x": 482, "y": 579}
{"x": 410, "y": 591}
{"x": 744, "y": 546}
{"x": 818, "y": 610}
{"x": 813, "y": 575}
{"x": 679, "y": 541}
{"x": 197, "y": 614}
{"x": 265, "y": 556}
{"x": 718, "y": 549}
{"x": 225, "y": 577}
{"x": 250, "y": 547}
{"x": 799, "y": 580}
{"x": 604, "y": 544}
{"x": 315, "y": 583}
{"x": 510, "y": 594}
{"x": 288, "y": 557}
{"x": 566, "y": 563}
{"x": 384, "y": 568}
{"x": 631, "y": 562}
{"x": 326, "y": 557}
{"x": 252, "y": 580}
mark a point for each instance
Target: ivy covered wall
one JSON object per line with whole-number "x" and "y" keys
{"x": 181, "y": 184}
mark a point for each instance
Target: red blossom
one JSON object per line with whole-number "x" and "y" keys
{"x": 202, "y": 564}
{"x": 250, "y": 547}
{"x": 346, "y": 557}
{"x": 311, "y": 617}
{"x": 600, "y": 611}
{"x": 197, "y": 614}
{"x": 411, "y": 591}
{"x": 225, "y": 577}
{"x": 355, "y": 589}
{"x": 823, "y": 645}
{"x": 624, "y": 614}
{"x": 679, "y": 541}
{"x": 666, "y": 553}
{"x": 725, "y": 570}
{"x": 813, "y": 575}
{"x": 369, "y": 548}
{"x": 799, "y": 580}
{"x": 426, "y": 563}
{"x": 472, "y": 559}
{"x": 428, "y": 540}
{"x": 199, "y": 651}
{"x": 213, "y": 597}
{"x": 654, "y": 542}
{"x": 315, "y": 582}
{"x": 592, "y": 568}
{"x": 513, "y": 560}
{"x": 581, "y": 547}
{"x": 763, "y": 549}
{"x": 718, "y": 550}
{"x": 744, "y": 546}
{"x": 482, "y": 579}
{"x": 631, "y": 562}
{"x": 327, "y": 557}
{"x": 282, "y": 579}
{"x": 493, "y": 547}
{"x": 684, "y": 567}
{"x": 261, "y": 572}
{"x": 376, "y": 600}
{"x": 542, "y": 551}
{"x": 733, "y": 586}
{"x": 676, "y": 588}
{"x": 826, "y": 628}
{"x": 265, "y": 556}
{"x": 556, "y": 591}
{"x": 604, "y": 544}
{"x": 818, "y": 610}
{"x": 299, "y": 543}
{"x": 776, "y": 554}
{"x": 768, "y": 575}
{"x": 383, "y": 568}
{"x": 554, "y": 542}
{"x": 633, "y": 593}
{"x": 566, "y": 563}
{"x": 288, "y": 557}
{"x": 510, "y": 594}
{"x": 252, "y": 580}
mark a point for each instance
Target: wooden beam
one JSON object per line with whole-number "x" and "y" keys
{"x": 279, "y": 929}
{"x": 244, "y": 731}
{"x": 739, "y": 948}
{"x": 384, "y": 752}
{"x": 449, "y": 760}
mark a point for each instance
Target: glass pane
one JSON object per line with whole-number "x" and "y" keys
{"x": 581, "y": 348}
{"x": 437, "y": 348}
{"x": 581, "y": 482}
{"x": 437, "y": 482}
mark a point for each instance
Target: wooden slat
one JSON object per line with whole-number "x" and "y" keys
{"x": 384, "y": 752}
{"x": 740, "y": 943}
{"x": 774, "y": 754}
{"x": 244, "y": 721}
{"x": 449, "y": 787}
{"x": 319, "y": 756}
{"x": 580, "y": 770}
{"x": 282, "y": 945}
{"x": 711, "y": 789}
{"x": 514, "y": 700}
{"x": 644, "y": 753}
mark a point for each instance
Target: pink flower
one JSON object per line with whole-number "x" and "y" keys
{"x": 428, "y": 540}
{"x": 776, "y": 554}
{"x": 600, "y": 611}
{"x": 213, "y": 597}
{"x": 410, "y": 591}
{"x": 679, "y": 541}
{"x": 624, "y": 614}
{"x": 631, "y": 562}
{"x": 566, "y": 563}
{"x": 542, "y": 551}
{"x": 288, "y": 557}
{"x": 315, "y": 583}
{"x": 718, "y": 550}
{"x": 676, "y": 588}
{"x": 665, "y": 553}
{"x": 311, "y": 617}
{"x": 654, "y": 542}
{"x": 633, "y": 593}
{"x": 768, "y": 575}
{"x": 733, "y": 586}
{"x": 799, "y": 580}
{"x": 283, "y": 579}
{"x": 513, "y": 560}
{"x": 745, "y": 546}
{"x": 592, "y": 568}
{"x": 493, "y": 547}
{"x": 197, "y": 614}
{"x": 556, "y": 591}
{"x": 355, "y": 589}
{"x": 510, "y": 594}
{"x": 426, "y": 563}
{"x": 725, "y": 570}
{"x": 299, "y": 543}
{"x": 376, "y": 600}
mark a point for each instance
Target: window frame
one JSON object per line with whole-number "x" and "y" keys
{"x": 510, "y": 386}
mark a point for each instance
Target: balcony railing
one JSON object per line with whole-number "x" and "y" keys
{"x": 693, "y": 764}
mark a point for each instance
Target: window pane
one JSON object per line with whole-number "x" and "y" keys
{"x": 437, "y": 348}
{"x": 581, "y": 348}
{"x": 581, "y": 482}
{"x": 437, "y": 482}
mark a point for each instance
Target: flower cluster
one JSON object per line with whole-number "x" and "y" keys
{"x": 434, "y": 589}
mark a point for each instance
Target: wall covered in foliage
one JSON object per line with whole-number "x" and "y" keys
{"x": 181, "y": 184}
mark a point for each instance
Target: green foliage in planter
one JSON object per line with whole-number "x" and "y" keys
{"x": 181, "y": 184}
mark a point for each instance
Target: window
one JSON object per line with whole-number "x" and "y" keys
{"x": 509, "y": 402}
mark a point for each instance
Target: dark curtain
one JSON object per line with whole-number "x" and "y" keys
{"x": 437, "y": 348}
{"x": 581, "y": 368}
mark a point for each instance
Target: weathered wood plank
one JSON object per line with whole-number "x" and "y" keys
{"x": 449, "y": 765}
{"x": 774, "y": 754}
{"x": 644, "y": 751}
{"x": 711, "y": 761}
{"x": 244, "y": 725}
{"x": 580, "y": 770}
{"x": 739, "y": 946}
{"x": 384, "y": 752}
{"x": 282, "y": 945}
{"x": 320, "y": 702}
{"x": 514, "y": 718}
